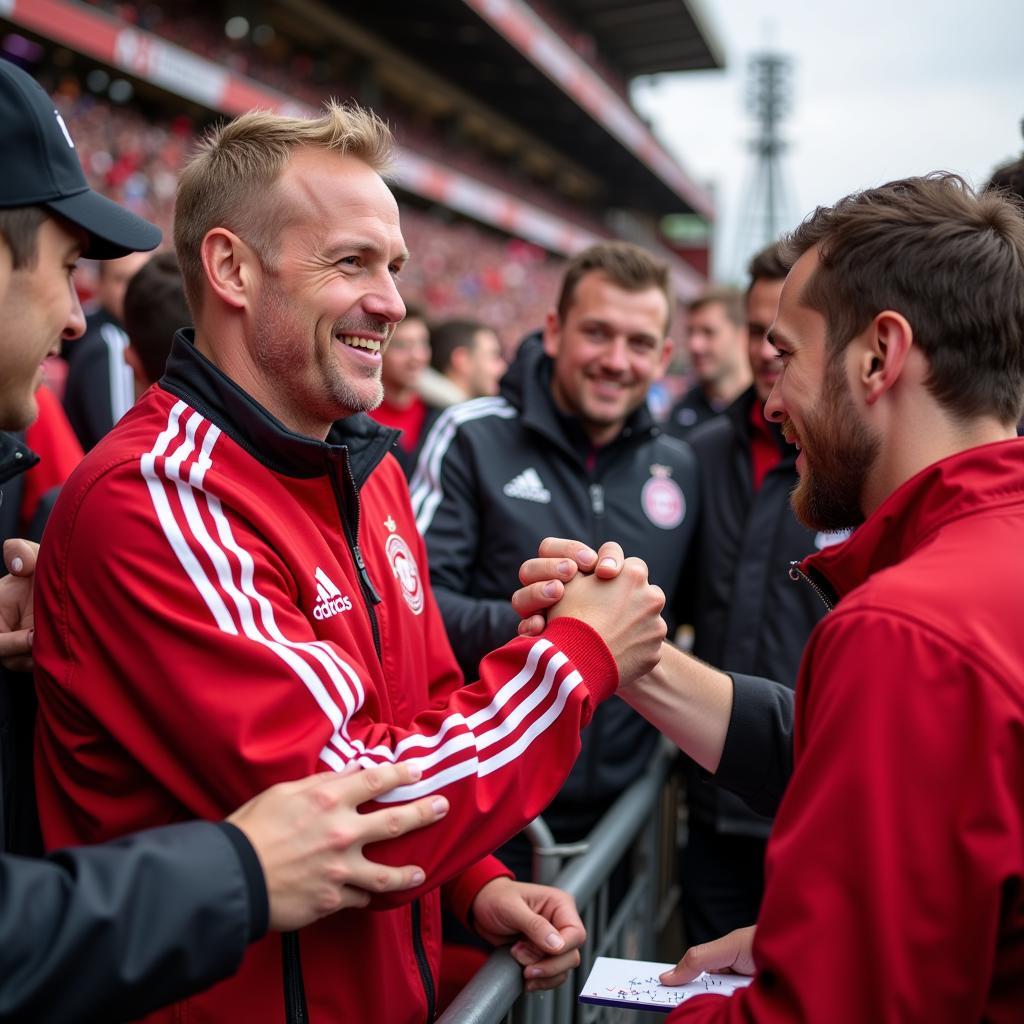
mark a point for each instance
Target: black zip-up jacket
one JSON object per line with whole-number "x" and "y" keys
{"x": 748, "y": 616}
{"x": 498, "y": 475}
{"x": 99, "y": 386}
{"x": 112, "y": 932}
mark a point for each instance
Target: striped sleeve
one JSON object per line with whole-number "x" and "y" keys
{"x": 426, "y": 486}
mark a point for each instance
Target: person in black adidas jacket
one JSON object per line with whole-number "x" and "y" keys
{"x": 568, "y": 449}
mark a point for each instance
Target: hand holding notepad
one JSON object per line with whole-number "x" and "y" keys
{"x": 634, "y": 983}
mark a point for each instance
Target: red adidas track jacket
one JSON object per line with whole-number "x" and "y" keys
{"x": 222, "y": 605}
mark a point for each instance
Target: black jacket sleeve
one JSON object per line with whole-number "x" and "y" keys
{"x": 757, "y": 759}
{"x": 112, "y": 932}
{"x": 447, "y": 513}
{"x": 87, "y": 399}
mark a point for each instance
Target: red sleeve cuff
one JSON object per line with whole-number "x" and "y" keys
{"x": 590, "y": 654}
{"x": 459, "y": 893}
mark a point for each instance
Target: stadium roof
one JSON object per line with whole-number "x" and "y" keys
{"x": 508, "y": 58}
{"x": 645, "y": 37}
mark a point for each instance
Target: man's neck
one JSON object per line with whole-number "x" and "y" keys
{"x": 233, "y": 362}
{"x": 934, "y": 438}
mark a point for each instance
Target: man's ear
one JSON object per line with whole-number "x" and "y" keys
{"x": 552, "y": 334}
{"x": 229, "y": 265}
{"x": 881, "y": 353}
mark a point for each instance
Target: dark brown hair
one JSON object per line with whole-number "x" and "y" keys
{"x": 154, "y": 308}
{"x": 449, "y": 335}
{"x": 772, "y": 263}
{"x": 950, "y": 261}
{"x": 730, "y": 299}
{"x": 626, "y": 265}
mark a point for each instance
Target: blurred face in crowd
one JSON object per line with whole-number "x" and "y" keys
{"x": 114, "y": 276}
{"x": 762, "y": 305}
{"x": 608, "y": 350}
{"x": 327, "y": 300}
{"x": 406, "y": 357}
{"x": 813, "y": 401}
{"x": 485, "y": 365}
{"x": 38, "y": 307}
{"x": 714, "y": 343}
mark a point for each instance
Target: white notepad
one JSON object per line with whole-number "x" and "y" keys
{"x": 635, "y": 983}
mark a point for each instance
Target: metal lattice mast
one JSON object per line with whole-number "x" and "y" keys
{"x": 766, "y": 208}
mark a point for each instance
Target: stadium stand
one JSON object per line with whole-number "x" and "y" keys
{"x": 504, "y": 168}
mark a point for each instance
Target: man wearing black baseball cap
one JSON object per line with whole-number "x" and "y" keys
{"x": 71, "y": 944}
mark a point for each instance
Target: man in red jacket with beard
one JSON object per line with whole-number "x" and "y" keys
{"x": 236, "y": 593}
{"x": 895, "y": 870}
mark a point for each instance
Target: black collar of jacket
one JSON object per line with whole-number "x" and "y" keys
{"x": 15, "y": 456}
{"x": 527, "y": 386}
{"x": 357, "y": 439}
{"x": 739, "y": 415}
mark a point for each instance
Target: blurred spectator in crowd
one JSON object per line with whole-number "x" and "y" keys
{"x": 404, "y": 408}
{"x": 716, "y": 342}
{"x": 99, "y": 388}
{"x": 569, "y": 448}
{"x": 468, "y": 354}
{"x": 155, "y": 308}
{"x": 747, "y": 614}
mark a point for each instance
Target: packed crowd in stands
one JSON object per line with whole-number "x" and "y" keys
{"x": 273, "y": 60}
{"x": 459, "y": 269}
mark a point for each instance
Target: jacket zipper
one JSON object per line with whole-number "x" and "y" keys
{"x": 295, "y": 1009}
{"x": 822, "y": 589}
{"x": 421, "y": 960}
{"x": 370, "y": 595}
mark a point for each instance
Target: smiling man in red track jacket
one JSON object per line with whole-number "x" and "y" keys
{"x": 236, "y": 593}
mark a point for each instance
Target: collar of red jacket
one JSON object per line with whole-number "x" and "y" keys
{"x": 981, "y": 478}
{"x": 357, "y": 440}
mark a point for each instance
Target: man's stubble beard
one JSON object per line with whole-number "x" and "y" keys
{"x": 274, "y": 322}
{"x": 839, "y": 451}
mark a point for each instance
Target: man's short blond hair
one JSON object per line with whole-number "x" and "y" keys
{"x": 229, "y": 182}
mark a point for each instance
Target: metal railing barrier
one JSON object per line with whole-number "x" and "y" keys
{"x": 642, "y": 823}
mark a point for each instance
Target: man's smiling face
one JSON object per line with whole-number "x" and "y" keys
{"x": 813, "y": 402}
{"x": 328, "y": 301}
{"x": 38, "y": 307}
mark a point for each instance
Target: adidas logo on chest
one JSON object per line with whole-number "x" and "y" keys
{"x": 330, "y": 600}
{"x": 527, "y": 486}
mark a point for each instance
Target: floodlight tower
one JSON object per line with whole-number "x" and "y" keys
{"x": 766, "y": 208}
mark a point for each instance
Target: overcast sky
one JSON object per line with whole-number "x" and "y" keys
{"x": 881, "y": 89}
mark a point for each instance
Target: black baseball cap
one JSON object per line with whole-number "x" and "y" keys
{"x": 39, "y": 167}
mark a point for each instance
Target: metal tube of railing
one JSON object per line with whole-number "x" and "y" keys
{"x": 493, "y": 990}
{"x": 614, "y": 833}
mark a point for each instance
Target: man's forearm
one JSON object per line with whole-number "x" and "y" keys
{"x": 688, "y": 701}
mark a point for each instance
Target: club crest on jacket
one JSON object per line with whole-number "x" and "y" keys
{"x": 403, "y": 565}
{"x": 662, "y": 499}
